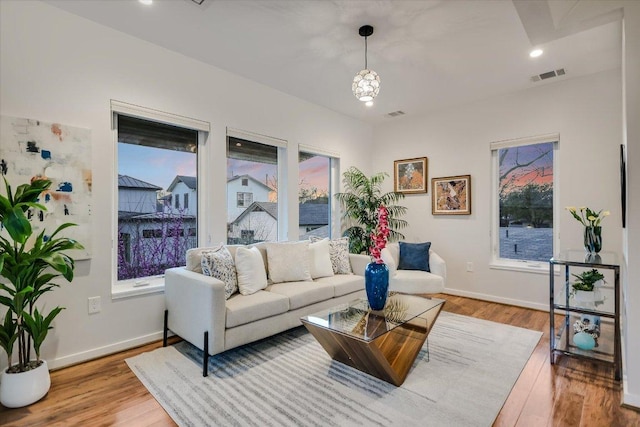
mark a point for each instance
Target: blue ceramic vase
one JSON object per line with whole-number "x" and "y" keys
{"x": 376, "y": 283}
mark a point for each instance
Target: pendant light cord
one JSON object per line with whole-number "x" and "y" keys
{"x": 365, "y": 54}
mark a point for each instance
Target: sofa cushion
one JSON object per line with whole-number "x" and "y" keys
{"x": 343, "y": 284}
{"x": 219, "y": 264}
{"x": 288, "y": 262}
{"x": 194, "y": 257}
{"x": 416, "y": 282}
{"x": 319, "y": 260}
{"x": 243, "y": 309}
{"x": 388, "y": 259}
{"x": 252, "y": 276}
{"x": 414, "y": 256}
{"x": 339, "y": 254}
{"x": 301, "y": 294}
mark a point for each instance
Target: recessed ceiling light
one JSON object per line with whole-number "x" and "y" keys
{"x": 146, "y": 2}
{"x": 369, "y": 103}
{"x": 535, "y": 53}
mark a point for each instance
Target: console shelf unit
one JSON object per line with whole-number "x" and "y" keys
{"x": 608, "y": 350}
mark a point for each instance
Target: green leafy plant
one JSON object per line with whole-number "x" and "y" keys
{"x": 586, "y": 280}
{"x": 588, "y": 217}
{"x": 360, "y": 200}
{"x": 29, "y": 264}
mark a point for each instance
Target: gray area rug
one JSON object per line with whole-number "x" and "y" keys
{"x": 289, "y": 380}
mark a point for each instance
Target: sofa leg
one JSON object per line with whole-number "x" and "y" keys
{"x": 205, "y": 356}
{"x": 166, "y": 328}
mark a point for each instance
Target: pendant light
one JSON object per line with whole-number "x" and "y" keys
{"x": 366, "y": 84}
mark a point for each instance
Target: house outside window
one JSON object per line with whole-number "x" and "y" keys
{"x": 186, "y": 201}
{"x": 524, "y": 193}
{"x": 314, "y": 194}
{"x": 255, "y": 172}
{"x": 152, "y": 236}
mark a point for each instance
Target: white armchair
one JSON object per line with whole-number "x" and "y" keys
{"x": 415, "y": 281}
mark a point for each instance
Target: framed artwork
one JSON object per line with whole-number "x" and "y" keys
{"x": 451, "y": 195}
{"x": 410, "y": 175}
{"x": 31, "y": 148}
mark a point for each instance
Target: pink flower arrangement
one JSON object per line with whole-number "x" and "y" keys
{"x": 380, "y": 234}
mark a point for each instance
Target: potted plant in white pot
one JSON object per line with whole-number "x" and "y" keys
{"x": 585, "y": 288}
{"x": 29, "y": 264}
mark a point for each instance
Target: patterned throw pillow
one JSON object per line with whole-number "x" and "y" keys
{"x": 219, "y": 264}
{"x": 339, "y": 253}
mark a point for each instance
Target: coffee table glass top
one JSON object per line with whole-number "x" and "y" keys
{"x": 357, "y": 320}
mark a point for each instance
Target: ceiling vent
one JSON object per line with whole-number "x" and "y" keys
{"x": 548, "y": 75}
{"x": 396, "y": 113}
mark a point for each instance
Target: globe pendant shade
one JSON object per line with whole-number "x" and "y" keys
{"x": 366, "y": 85}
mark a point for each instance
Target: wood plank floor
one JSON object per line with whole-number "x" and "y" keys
{"x": 104, "y": 392}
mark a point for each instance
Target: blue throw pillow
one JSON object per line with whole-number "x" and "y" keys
{"x": 414, "y": 256}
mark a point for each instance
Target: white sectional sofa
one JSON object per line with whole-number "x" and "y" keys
{"x": 197, "y": 311}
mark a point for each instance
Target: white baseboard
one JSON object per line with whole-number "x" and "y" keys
{"x": 72, "y": 359}
{"x": 493, "y": 298}
{"x": 628, "y": 399}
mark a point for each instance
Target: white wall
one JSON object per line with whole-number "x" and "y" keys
{"x": 586, "y": 112}
{"x": 57, "y": 67}
{"x": 631, "y": 278}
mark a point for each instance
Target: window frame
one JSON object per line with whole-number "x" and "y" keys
{"x": 529, "y": 266}
{"x": 153, "y": 285}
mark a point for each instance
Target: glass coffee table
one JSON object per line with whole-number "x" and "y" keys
{"x": 381, "y": 343}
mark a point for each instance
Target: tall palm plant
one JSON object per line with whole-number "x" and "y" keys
{"x": 360, "y": 201}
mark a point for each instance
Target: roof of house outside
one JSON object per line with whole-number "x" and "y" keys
{"x": 236, "y": 177}
{"x": 310, "y": 213}
{"x": 189, "y": 181}
{"x": 125, "y": 181}
{"x": 321, "y": 232}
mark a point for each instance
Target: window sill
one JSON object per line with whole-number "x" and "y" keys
{"x": 133, "y": 288}
{"x": 535, "y": 267}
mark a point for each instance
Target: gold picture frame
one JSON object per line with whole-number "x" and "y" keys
{"x": 410, "y": 175}
{"x": 451, "y": 195}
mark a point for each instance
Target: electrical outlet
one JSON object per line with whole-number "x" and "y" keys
{"x": 469, "y": 266}
{"x": 94, "y": 305}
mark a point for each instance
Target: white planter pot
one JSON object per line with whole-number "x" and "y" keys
{"x": 588, "y": 296}
{"x": 24, "y": 388}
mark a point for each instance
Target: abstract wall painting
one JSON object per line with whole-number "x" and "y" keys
{"x": 410, "y": 176}
{"x": 451, "y": 195}
{"x": 33, "y": 149}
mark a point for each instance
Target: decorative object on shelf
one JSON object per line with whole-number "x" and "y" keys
{"x": 410, "y": 175}
{"x": 360, "y": 202}
{"x": 592, "y": 229}
{"x": 451, "y": 195}
{"x": 585, "y": 290}
{"x": 366, "y": 84}
{"x": 584, "y": 341}
{"x": 27, "y": 275}
{"x": 376, "y": 274}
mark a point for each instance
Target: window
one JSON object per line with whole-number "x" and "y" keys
{"x": 244, "y": 199}
{"x": 255, "y": 208}
{"x": 153, "y": 236}
{"x": 186, "y": 201}
{"x": 524, "y": 176}
{"x": 314, "y": 195}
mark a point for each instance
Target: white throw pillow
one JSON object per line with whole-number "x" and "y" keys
{"x": 387, "y": 258}
{"x": 288, "y": 262}
{"x": 339, "y": 253}
{"x": 320, "y": 261}
{"x": 219, "y": 264}
{"x": 250, "y": 269}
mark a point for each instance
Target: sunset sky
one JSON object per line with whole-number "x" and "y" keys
{"x": 539, "y": 172}
{"x": 159, "y": 166}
